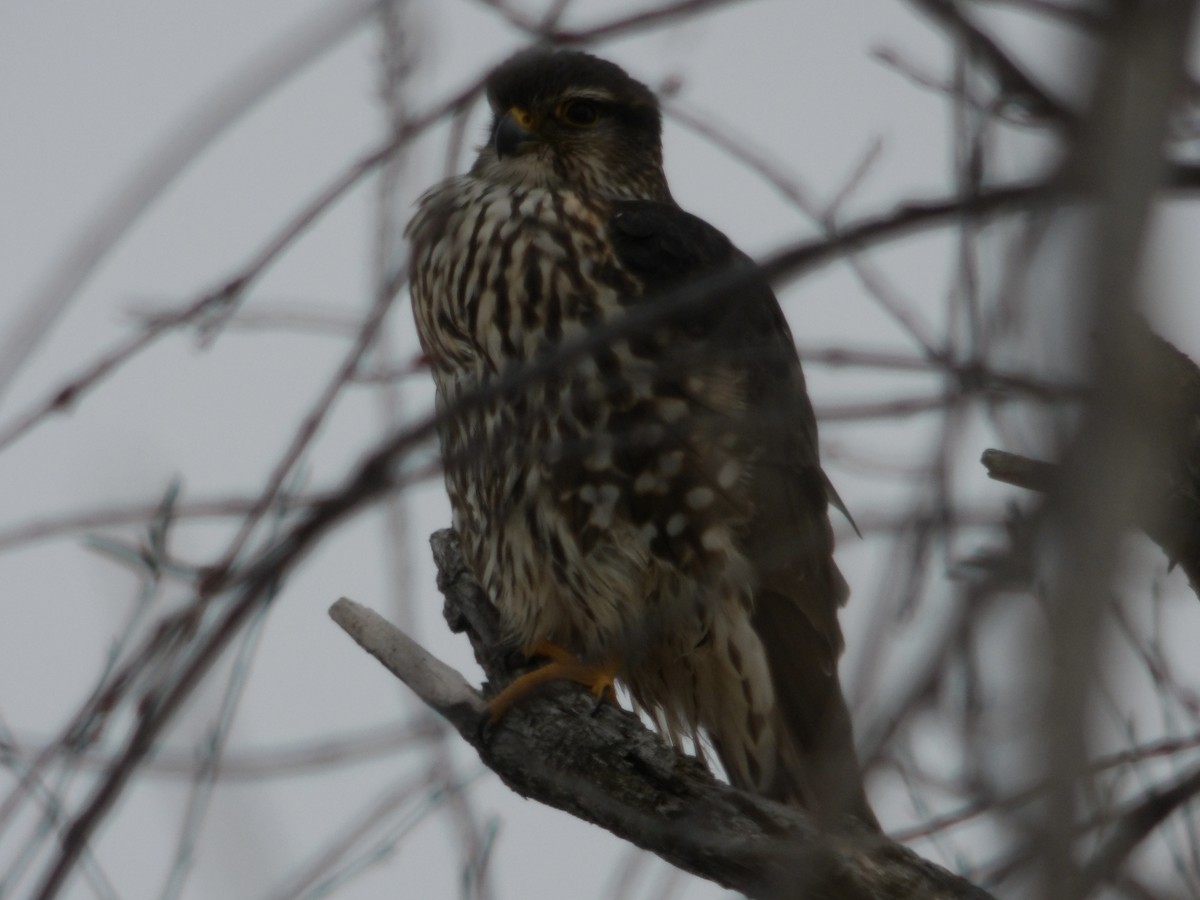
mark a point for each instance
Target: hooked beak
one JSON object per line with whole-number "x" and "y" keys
{"x": 513, "y": 133}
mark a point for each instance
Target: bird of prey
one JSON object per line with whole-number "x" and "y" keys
{"x": 650, "y": 508}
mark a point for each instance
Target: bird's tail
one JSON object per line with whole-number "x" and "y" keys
{"x": 796, "y": 743}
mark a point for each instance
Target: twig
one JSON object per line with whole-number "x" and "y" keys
{"x": 312, "y": 423}
{"x": 977, "y": 807}
{"x": 1078, "y": 14}
{"x": 66, "y": 395}
{"x": 223, "y": 298}
{"x": 543, "y": 27}
{"x": 197, "y": 130}
{"x": 1011, "y": 79}
{"x": 74, "y": 523}
{"x": 271, "y": 763}
{"x": 1170, "y": 401}
{"x": 1021, "y": 471}
{"x": 1134, "y": 826}
{"x": 789, "y": 187}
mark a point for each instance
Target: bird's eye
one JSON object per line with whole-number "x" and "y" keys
{"x": 579, "y": 113}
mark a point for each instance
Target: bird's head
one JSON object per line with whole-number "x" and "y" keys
{"x": 567, "y": 119}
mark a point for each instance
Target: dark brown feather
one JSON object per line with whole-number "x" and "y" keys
{"x": 788, "y": 536}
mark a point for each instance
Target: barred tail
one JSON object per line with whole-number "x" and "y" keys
{"x": 810, "y": 760}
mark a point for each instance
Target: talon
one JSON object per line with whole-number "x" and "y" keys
{"x": 605, "y": 694}
{"x": 604, "y": 688}
{"x": 481, "y": 730}
{"x": 552, "y": 652}
{"x": 563, "y": 666}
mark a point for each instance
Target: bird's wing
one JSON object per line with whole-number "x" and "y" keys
{"x": 787, "y": 538}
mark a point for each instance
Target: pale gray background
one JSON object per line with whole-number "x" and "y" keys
{"x": 89, "y": 90}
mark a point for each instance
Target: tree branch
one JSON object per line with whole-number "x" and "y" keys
{"x": 1011, "y": 80}
{"x": 605, "y": 767}
{"x": 1171, "y": 414}
{"x": 1135, "y": 825}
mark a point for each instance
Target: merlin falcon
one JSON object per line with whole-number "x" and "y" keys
{"x": 651, "y": 508}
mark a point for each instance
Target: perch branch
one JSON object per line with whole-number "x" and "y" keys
{"x": 605, "y": 767}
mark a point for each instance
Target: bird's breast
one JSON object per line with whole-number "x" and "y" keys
{"x": 502, "y": 274}
{"x": 581, "y": 494}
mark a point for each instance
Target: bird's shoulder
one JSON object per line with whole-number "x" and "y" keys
{"x": 663, "y": 244}
{"x": 668, "y": 248}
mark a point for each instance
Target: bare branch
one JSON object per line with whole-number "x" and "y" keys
{"x": 544, "y": 27}
{"x": 607, "y": 768}
{"x": 1078, "y": 14}
{"x": 1168, "y": 409}
{"x": 220, "y": 302}
{"x": 197, "y": 130}
{"x": 441, "y": 687}
{"x": 272, "y": 763}
{"x": 1021, "y": 471}
{"x": 1013, "y": 83}
{"x": 1135, "y": 826}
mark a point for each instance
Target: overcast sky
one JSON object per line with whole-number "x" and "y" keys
{"x": 91, "y": 94}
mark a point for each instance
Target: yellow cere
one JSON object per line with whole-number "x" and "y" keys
{"x": 521, "y": 117}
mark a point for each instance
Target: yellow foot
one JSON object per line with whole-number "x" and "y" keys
{"x": 563, "y": 666}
